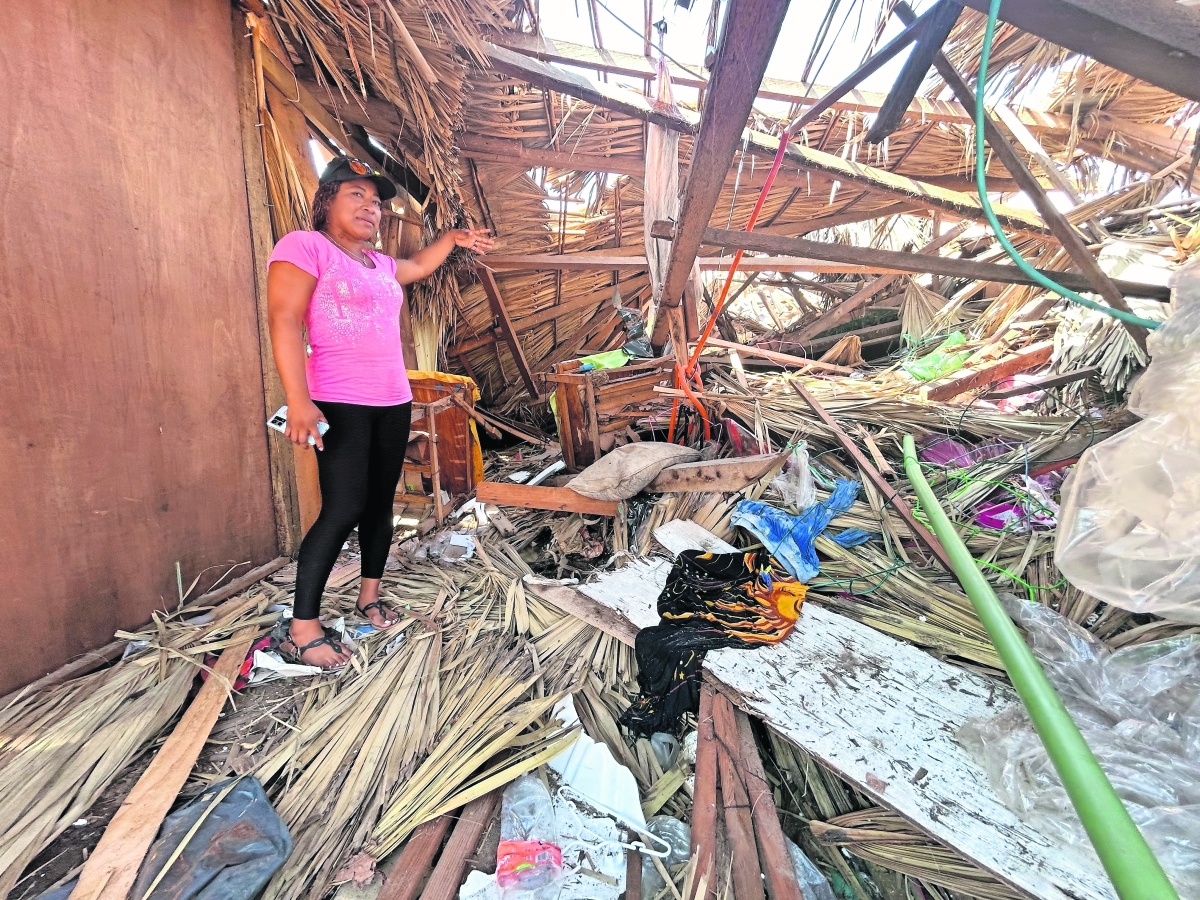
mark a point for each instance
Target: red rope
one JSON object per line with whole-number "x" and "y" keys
{"x": 682, "y": 375}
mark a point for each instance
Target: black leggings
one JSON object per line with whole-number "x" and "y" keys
{"x": 359, "y": 470}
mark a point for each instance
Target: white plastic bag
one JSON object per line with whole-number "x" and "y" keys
{"x": 795, "y": 483}
{"x": 1129, "y": 533}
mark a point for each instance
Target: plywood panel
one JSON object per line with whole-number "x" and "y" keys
{"x": 133, "y": 403}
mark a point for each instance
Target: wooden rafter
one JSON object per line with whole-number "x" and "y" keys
{"x": 895, "y": 261}
{"x": 507, "y": 330}
{"x": 1072, "y": 242}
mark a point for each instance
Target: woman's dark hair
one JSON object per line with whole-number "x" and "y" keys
{"x": 320, "y": 205}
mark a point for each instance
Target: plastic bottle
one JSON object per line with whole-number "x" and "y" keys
{"x": 528, "y": 860}
{"x": 679, "y": 836}
{"x": 666, "y": 749}
{"x": 813, "y": 884}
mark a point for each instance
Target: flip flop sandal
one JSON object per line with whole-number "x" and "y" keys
{"x": 281, "y": 639}
{"x": 384, "y": 610}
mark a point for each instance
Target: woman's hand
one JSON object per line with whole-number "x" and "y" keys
{"x": 472, "y": 239}
{"x": 302, "y": 419}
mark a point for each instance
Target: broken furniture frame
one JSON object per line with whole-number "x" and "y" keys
{"x": 595, "y": 403}
{"x": 422, "y": 412}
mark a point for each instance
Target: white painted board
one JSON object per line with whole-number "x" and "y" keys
{"x": 866, "y": 704}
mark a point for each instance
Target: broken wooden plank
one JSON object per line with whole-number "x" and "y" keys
{"x": 110, "y": 871}
{"x": 896, "y": 261}
{"x": 732, "y": 474}
{"x": 744, "y": 48}
{"x": 989, "y": 373}
{"x": 704, "y": 808}
{"x": 506, "y": 328}
{"x": 773, "y": 854}
{"x": 1043, "y": 384}
{"x": 939, "y": 22}
{"x": 561, "y": 499}
{"x": 448, "y": 875}
{"x": 739, "y": 823}
{"x": 784, "y": 359}
{"x": 408, "y": 874}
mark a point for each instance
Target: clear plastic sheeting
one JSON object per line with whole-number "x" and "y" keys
{"x": 661, "y": 197}
{"x": 1138, "y": 708}
{"x": 1129, "y": 532}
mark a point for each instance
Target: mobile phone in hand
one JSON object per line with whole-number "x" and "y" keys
{"x": 279, "y": 423}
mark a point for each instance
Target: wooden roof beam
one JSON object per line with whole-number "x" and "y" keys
{"x": 636, "y": 66}
{"x": 1072, "y": 242}
{"x": 895, "y": 261}
{"x": 608, "y": 260}
{"x": 1158, "y": 42}
{"x": 551, "y": 78}
{"x": 507, "y": 330}
{"x": 747, "y": 40}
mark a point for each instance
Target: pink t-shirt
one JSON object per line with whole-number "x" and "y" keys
{"x": 353, "y": 323}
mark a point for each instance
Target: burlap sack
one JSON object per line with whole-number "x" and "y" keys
{"x": 628, "y": 469}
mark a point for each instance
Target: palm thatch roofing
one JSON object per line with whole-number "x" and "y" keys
{"x": 413, "y": 83}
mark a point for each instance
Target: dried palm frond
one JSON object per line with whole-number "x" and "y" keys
{"x": 917, "y": 311}
{"x": 846, "y": 352}
{"x": 884, "y": 838}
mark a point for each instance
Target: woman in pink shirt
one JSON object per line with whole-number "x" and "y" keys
{"x": 351, "y": 376}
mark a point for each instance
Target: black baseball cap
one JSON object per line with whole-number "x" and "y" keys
{"x": 348, "y": 168}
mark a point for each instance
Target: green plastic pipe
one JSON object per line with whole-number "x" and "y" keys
{"x": 1123, "y": 852}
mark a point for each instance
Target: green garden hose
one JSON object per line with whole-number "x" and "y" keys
{"x": 1123, "y": 852}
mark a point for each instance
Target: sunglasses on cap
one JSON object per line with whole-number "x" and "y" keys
{"x": 348, "y": 168}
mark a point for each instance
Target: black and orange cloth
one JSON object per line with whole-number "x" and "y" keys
{"x": 710, "y": 601}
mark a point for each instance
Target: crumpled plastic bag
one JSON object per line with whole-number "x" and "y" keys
{"x": 1138, "y": 708}
{"x": 790, "y": 538}
{"x": 941, "y": 362}
{"x": 238, "y": 843}
{"x": 795, "y": 484}
{"x": 1129, "y": 532}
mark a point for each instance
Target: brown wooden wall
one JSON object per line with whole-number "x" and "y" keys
{"x": 132, "y": 427}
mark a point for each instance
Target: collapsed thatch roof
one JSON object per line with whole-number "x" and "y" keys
{"x": 425, "y": 95}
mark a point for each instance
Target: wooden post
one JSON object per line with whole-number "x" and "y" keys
{"x": 508, "y": 331}
{"x": 284, "y": 494}
{"x": 747, "y": 39}
{"x": 1070, "y": 239}
{"x": 704, "y": 809}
